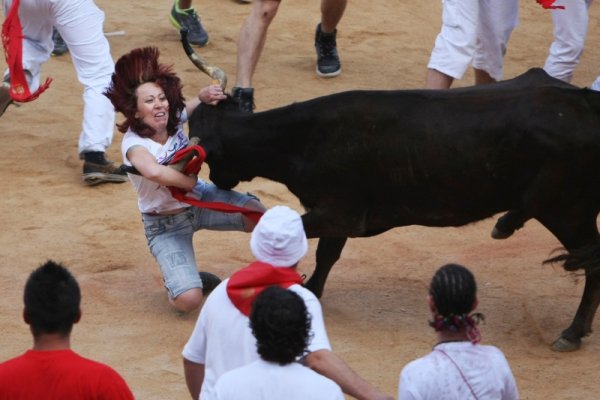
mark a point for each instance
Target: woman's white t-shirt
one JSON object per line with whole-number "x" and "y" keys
{"x": 152, "y": 197}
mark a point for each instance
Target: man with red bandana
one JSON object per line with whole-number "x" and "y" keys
{"x": 222, "y": 339}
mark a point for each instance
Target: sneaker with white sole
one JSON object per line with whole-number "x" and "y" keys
{"x": 94, "y": 173}
{"x": 328, "y": 60}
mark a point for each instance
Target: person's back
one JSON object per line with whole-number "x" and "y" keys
{"x": 59, "y": 375}
{"x": 236, "y": 346}
{"x": 483, "y": 369}
{"x": 265, "y": 380}
{"x": 51, "y": 370}
{"x": 458, "y": 368}
{"x": 281, "y": 324}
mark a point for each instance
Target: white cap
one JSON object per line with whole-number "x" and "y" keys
{"x": 278, "y": 238}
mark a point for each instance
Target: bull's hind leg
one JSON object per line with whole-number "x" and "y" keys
{"x": 570, "y": 338}
{"x": 578, "y": 232}
{"x": 328, "y": 252}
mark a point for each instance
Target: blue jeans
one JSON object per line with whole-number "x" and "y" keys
{"x": 170, "y": 236}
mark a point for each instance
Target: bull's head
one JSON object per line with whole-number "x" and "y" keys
{"x": 215, "y": 128}
{"x": 209, "y": 125}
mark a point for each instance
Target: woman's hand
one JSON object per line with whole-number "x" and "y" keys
{"x": 212, "y": 94}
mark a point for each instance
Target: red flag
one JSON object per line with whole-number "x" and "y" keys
{"x": 12, "y": 40}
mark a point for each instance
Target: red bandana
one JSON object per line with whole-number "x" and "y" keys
{"x": 249, "y": 282}
{"x": 547, "y": 4}
{"x": 12, "y": 40}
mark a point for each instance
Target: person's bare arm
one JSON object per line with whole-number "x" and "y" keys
{"x": 194, "y": 376}
{"x": 333, "y": 367}
{"x": 211, "y": 94}
{"x": 146, "y": 164}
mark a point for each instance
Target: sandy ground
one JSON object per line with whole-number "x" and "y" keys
{"x": 374, "y": 302}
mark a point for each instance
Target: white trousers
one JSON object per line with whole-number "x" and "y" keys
{"x": 80, "y": 23}
{"x": 570, "y": 30}
{"x": 474, "y": 32}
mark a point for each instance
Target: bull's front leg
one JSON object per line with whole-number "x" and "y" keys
{"x": 570, "y": 338}
{"x": 328, "y": 252}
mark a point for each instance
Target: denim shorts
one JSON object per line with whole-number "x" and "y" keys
{"x": 170, "y": 236}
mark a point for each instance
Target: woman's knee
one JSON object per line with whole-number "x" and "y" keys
{"x": 189, "y": 300}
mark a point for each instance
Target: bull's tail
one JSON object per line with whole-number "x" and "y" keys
{"x": 583, "y": 258}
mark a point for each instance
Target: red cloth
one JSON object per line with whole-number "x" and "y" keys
{"x": 12, "y": 40}
{"x": 547, "y": 4}
{"x": 247, "y": 283}
{"x": 193, "y": 167}
{"x": 60, "y": 375}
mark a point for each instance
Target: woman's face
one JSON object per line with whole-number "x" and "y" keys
{"x": 152, "y": 106}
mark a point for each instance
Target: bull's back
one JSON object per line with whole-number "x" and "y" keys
{"x": 452, "y": 157}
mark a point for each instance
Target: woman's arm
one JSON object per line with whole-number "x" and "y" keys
{"x": 146, "y": 164}
{"x": 210, "y": 94}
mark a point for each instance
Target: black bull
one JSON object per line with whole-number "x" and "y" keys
{"x": 363, "y": 162}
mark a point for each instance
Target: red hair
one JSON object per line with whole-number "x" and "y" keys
{"x": 133, "y": 69}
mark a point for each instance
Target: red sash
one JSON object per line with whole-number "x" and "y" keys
{"x": 249, "y": 282}
{"x": 193, "y": 167}
{"x": 12, "y": 40}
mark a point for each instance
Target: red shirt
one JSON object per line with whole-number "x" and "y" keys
{"x": 59, "y": 375}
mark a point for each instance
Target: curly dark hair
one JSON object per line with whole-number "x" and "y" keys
{"x": 133, "y": 69}
{"x": 52, "y": 299}
{"x": 281, "y": 324}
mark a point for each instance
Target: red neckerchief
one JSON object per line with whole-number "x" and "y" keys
{"x": 247, "y": 283}
{"x": 548, "y": 4}
{"x": 12, "y": 40}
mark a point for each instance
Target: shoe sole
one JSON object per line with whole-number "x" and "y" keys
{"x": 328, "y": 74}
{"x": 177, "y": 26}
{"x": 95, "y": 178}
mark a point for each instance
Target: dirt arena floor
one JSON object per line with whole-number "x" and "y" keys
{"x": 374, "y": 302}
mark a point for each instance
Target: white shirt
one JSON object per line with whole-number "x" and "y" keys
{"x": 262, "y": 380}
{"x": 152, "y": 197}
{"x": 435, "y": 377}
{"x": 222, "y": 339}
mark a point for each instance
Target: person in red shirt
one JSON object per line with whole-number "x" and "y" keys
{"x": 51, "y": 370}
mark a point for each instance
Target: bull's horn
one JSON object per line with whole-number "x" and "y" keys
{"x": 215, "y": 73}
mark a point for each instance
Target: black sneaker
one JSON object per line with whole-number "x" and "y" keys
{"x": 209, "y": 282}
{"x": 60, "y": 47}
{"x": 244, "y": 98}
{"x": 95, "y": 173}
{"x": 189, "y": 20}
{"x": 328, "y": 61}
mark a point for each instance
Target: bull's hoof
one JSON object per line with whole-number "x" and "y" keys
{"x": 564, "y": 345}
{"x": 500, "y": 234}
